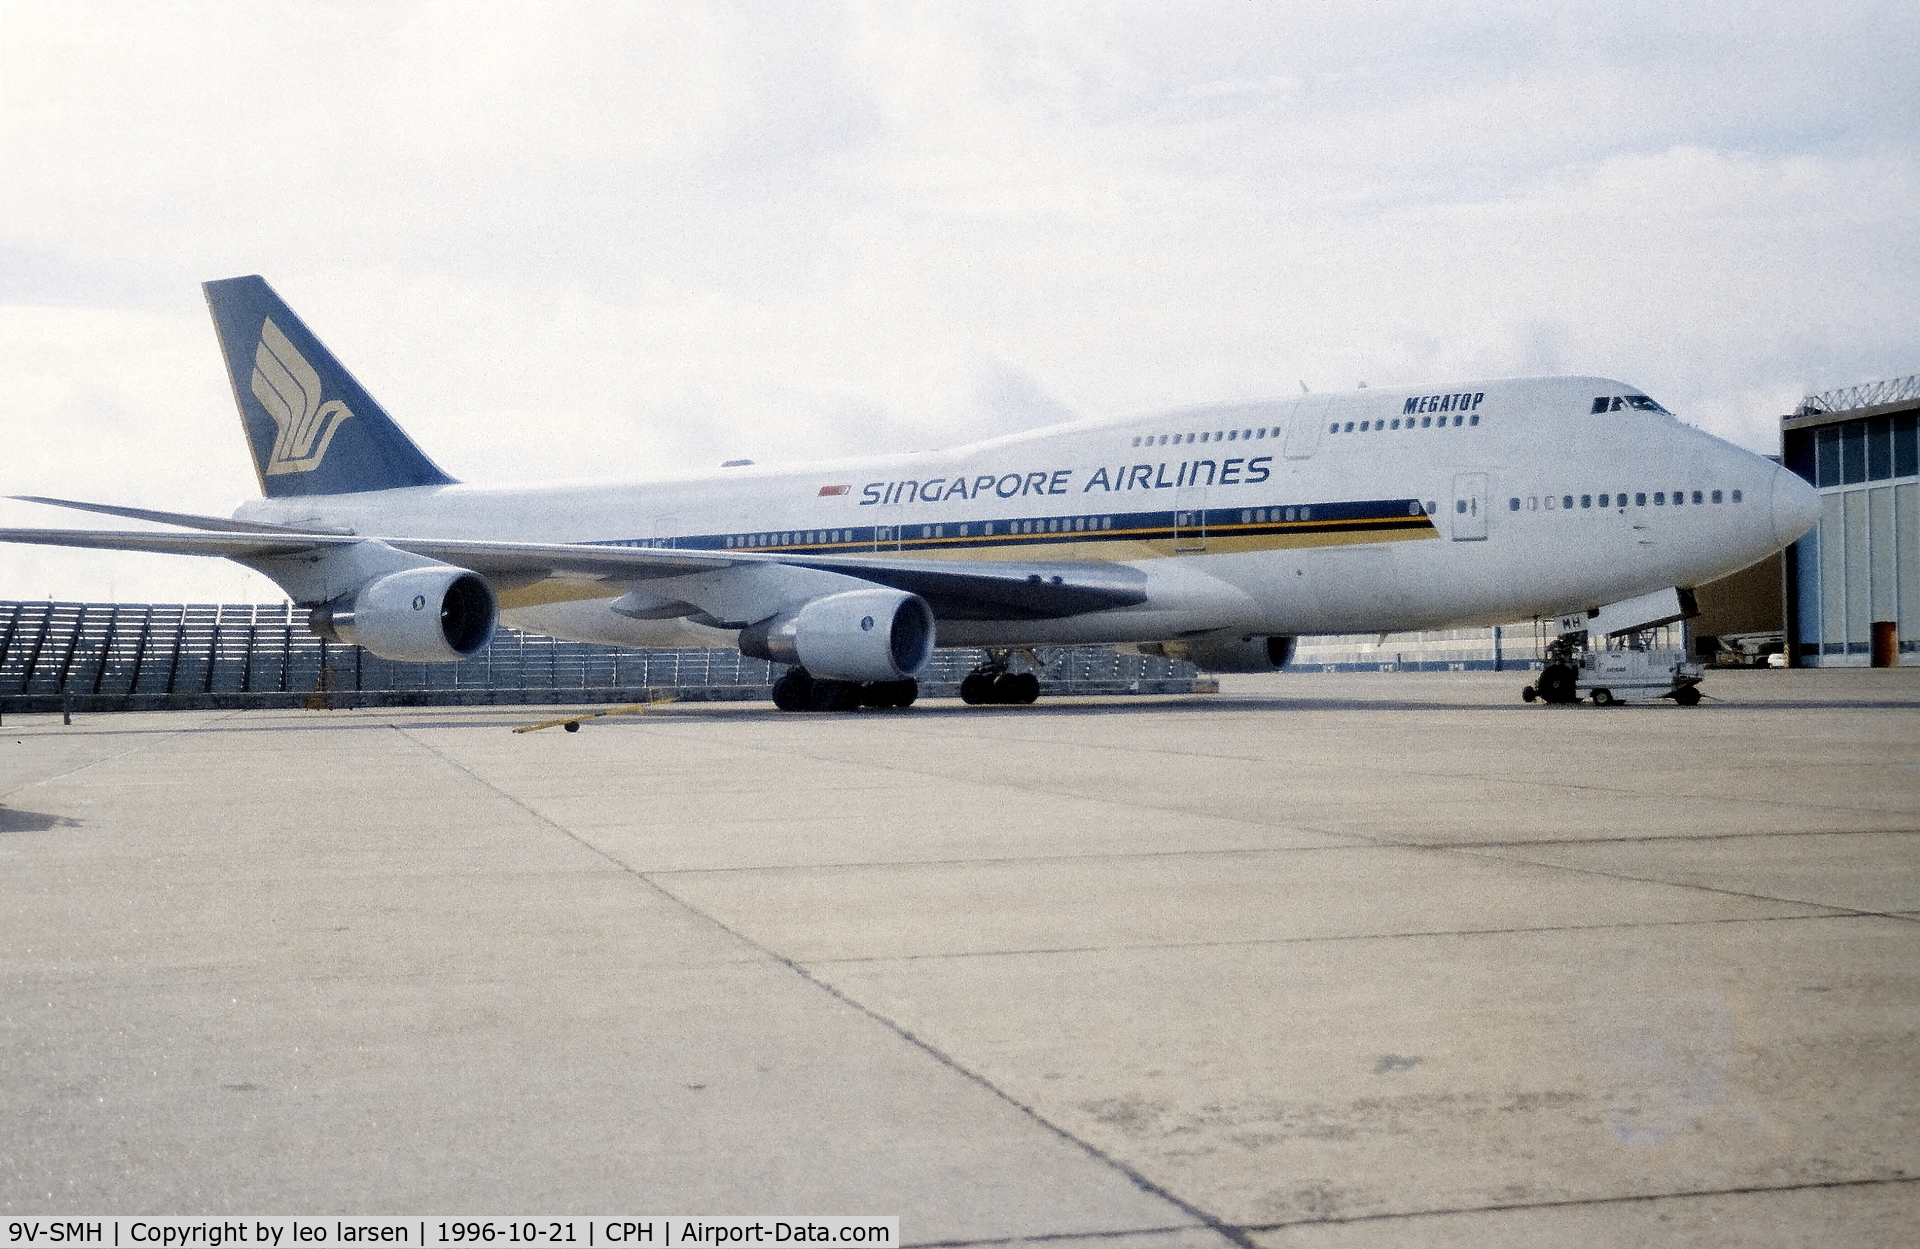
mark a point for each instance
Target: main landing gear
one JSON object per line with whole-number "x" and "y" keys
{"x": 799, "y": 690}
{"x": 991, "y": 684}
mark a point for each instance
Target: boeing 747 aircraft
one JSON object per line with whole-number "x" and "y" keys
{"x": 1216, "y": 534}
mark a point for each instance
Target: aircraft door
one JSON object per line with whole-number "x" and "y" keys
{"x": 1189, "y": 519}
{"x": 886, "y": 525}
{"x": 1469, "y": 507}
{"x": 1303, "y": 432}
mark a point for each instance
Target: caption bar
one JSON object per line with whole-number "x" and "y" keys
{"x": 570, "y": 1232}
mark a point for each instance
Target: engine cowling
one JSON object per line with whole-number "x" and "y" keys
{"x": 857, "y": 635}
{"x": 1247, "y": 654}
{"x": 418, "y": 615}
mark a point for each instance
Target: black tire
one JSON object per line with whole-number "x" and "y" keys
{"x": 1016, "y": 689}
{"x": 834, "y": 696}
{"x": 889, "y": 693}
{"x": 571, "y": 726}
{"x": 1687, "y": 696}
{"x": 1604, "y": 698}
{"x": 1557, "y": 684}
{"x": 794, "y": 691}
{"x": 976, "y": 689}
{"x": 1527, "y": 694}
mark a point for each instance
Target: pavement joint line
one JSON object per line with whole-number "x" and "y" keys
{"x": 1455, "y": 775}
{"x": 1529, "y": 843}
{"x": 1355, "y": 936}
{"x": 1364, "y": 843}
{"x": 1840, "y": 910}
{"x": 1366, "y": 840}
{"x": 1139, "y": 1180}
{"x": 93, "y": 763}
{"x": 1578, "y": 1202}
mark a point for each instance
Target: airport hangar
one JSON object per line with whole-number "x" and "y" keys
{"x": 1853, "y": 584}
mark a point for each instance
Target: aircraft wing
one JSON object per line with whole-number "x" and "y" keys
{"x": 956, "y": 590}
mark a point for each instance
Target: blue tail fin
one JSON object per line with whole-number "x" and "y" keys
{"x": 312, "y": 428}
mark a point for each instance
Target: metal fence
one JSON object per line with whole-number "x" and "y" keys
{"x": 141, "y": 656}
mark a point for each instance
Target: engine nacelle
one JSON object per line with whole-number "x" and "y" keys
{"x": 418, "y": 615}
{"x": 857, "y": 635}
{"x": 1248, "y": 654}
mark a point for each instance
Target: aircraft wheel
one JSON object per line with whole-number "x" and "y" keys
{"x": 1604, "y": 698}
{"x": 976, "y": 689}
{"x": 571, "y": 726}
{"x": 1557, "y": 684}
{"x": 1687, "y": 696}
{"x": 793, "y": 691}
{"x": 1526, "y": 694}
{"x": 834, "y": 696}
{"x": 1016, "y": 689}
{"x": 889, "y": 693}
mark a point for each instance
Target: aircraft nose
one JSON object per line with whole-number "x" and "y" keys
{"x": 1796, "y": 506}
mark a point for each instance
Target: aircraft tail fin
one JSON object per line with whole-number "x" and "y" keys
{"x": 313, "y": 429}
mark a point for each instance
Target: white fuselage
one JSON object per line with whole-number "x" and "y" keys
{"x": 1374, "y": 510}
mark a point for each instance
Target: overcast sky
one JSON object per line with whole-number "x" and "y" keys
{"x": 559, "y": 240}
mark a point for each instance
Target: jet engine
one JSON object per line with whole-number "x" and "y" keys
{"x": 856, "y": 635}
{"x": 1248, "y": 654}
{"x": 435, "y": 614}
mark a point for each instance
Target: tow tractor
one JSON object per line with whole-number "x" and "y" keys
{"x": 1626, "y": 666}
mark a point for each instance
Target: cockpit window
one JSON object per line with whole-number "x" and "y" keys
{"x": 1614, "y": 403}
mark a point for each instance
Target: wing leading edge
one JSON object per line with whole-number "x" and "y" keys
{"x": 976, "y": 591}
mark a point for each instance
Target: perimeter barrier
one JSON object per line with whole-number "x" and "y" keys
{"x": 165, "y": 656}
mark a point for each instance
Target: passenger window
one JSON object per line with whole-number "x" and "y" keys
{"x": 1334, "y": 428}
{"x": 1460, "y": 506}
{"x": 1425, "y": 421}
{"x": 1513, "y": 504}
{"x": 1736, "y": 496}
{"x": 1716, "y": 496}
{"x": 1566, "y": 501}
{"x": 1349, "y": 427}
{"x": 1457, "y": 420}
{"x": 1363, "y": 427}
{"x": 1696, "y": 497}
{"x": 1659, "y": 498}
{"x": 1396, "y": 422}
{"x": 1640, "y": 499}
{"x": 1474, "y": 419}
{"x": 1586, "y": 500}
{"x": 1136, "y": 440}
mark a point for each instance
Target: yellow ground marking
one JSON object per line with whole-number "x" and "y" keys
{"x": 572, "y": 723}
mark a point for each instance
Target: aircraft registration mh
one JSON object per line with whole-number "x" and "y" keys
{"x": 1216, "y": 533}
